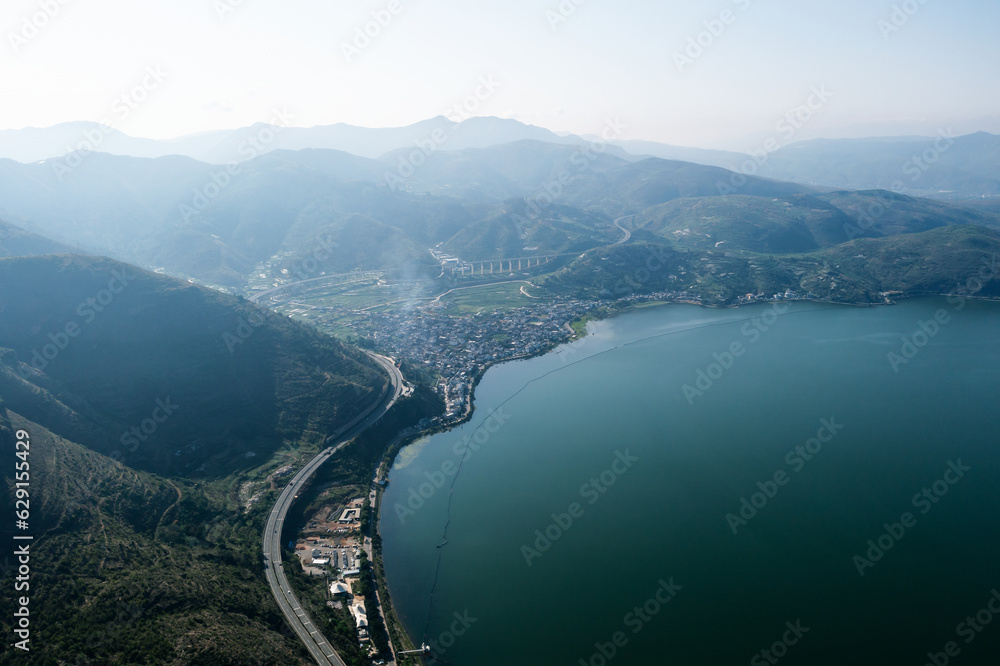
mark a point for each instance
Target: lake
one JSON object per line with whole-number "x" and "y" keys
{"x": 798, "y": 483}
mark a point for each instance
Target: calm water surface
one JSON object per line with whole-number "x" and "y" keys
{"x": 648, "y": 496}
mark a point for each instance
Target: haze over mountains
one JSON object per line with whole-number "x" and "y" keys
{"x": 227, "y": 146}
{"x": 946, "y": 165}
{"x": 297, "y": 214}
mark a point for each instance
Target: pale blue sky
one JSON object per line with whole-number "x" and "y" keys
{"x": 608, "y": 59}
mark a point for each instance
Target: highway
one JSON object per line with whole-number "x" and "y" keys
{"x": 628, "y": 234}
{"x": 297, "y": 618}
{"x": 360, "y": 275}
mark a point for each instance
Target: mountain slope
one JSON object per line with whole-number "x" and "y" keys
{"x": 521, "y": 229}
{"x": 199, "y": 221}
{"x": 581, "y": 176}
{"x": 100, "y": 348}
{"x": 954, "y": 259}
{"x": 124, "y": 568}
{"x": 16, "y": 242}
{"x": 945, "y": 166}
{"x": 800, "y": 223}
{"x": 720, "y": 158}
{"x": 757, "y": 224}
{"x": 151, "y": 406}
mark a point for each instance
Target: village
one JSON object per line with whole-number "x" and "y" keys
{"x": 332, "y": 547}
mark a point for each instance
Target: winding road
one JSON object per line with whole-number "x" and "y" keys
{"x": 297, "y": 618}
{"x": 628, "y": 234}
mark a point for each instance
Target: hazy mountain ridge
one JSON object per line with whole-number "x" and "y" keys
{"x": 35, "y": 144}
{"x": 301, "y": 214}
{"x": 17, "y": 242}
{"x": 945, "y": 166}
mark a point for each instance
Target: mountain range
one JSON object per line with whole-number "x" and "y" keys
{"x": 945, "y": 166}
{"x": 289, "y": 215}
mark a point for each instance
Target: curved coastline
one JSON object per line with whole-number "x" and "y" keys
{"x": 579, "y": 328}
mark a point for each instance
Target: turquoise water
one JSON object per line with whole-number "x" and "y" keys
{"x": 591, "y": 503}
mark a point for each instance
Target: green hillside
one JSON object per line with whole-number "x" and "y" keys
{"x": 947, "y": 260}
{"x": 157, "y": 410}
{"x": 339, "y": 242}
{"x": 939, "y": 261}
{"x": 758, "y": 224}
{"x": 883, "y": 213}
{"x": 128, "y": 568}
{"x": 800, "y": 223}
{"x": 243, "y": 379}
{"x": 522, "y": 229}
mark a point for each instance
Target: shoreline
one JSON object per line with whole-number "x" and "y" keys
{"x": 579, "y": 333}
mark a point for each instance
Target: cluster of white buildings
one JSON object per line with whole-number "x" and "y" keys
{"x": 340, "y": 588}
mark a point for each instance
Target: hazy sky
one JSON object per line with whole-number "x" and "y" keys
{"x": 229, "y": 63}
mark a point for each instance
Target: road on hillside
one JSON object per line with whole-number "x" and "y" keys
{"x": 297, "y": 618}
{"x": 628, "y": 234}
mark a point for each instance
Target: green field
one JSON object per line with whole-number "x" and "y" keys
{"x": 486, "y": 298}
{"x": 386, "y": 297}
